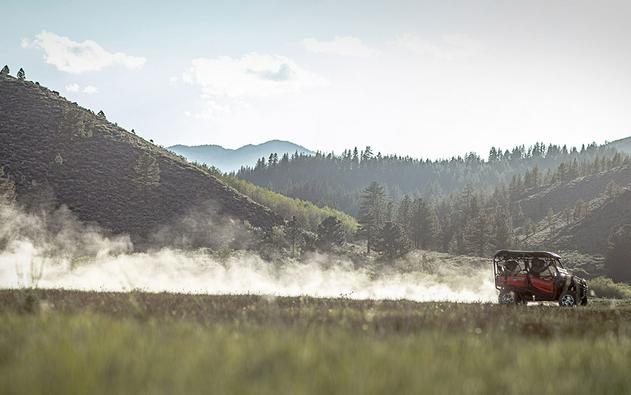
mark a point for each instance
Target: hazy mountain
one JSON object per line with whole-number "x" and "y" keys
{"x": 622, "y": 145}
{"x": 229, "y": 160}
{"x": 59, "y": 153}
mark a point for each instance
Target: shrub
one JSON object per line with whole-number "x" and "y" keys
{"x": 605, "y": 287}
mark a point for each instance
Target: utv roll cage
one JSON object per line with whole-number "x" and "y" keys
{"x": 503, "y": 256}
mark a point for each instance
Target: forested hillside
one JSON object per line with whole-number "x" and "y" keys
{"x": 54, "y": 153}
{"x": 534, "y": 197}
{"x": 593, "y": 232}
{"x": 337, "y": 180}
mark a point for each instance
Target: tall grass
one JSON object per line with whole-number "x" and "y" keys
{"x": 95, "y": 354}
{"x": 159, "y": 343}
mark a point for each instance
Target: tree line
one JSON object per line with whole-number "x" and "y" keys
{"x": 338, "y": 180}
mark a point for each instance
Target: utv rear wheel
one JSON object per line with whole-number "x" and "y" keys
{"x": 507, "y": 297}
{"x": 567, "y": 299}
{"x": 584, "y": 301}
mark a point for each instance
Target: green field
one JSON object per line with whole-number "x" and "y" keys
{"x": 65, "y": 342}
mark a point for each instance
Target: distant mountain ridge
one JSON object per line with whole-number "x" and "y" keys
{"x": 227, "y": 159}
{"x": 622, "y": 145}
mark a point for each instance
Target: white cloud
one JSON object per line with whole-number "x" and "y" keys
{"x": 77, "y": 57}
{"x": 343, "y": 46}
{"x": 227, "y": 83}
{"x": 253, "y": 75}
{"x": 72, "y": 87}
{"x": 453, "y": 46}
{"x": 90, "y": 90}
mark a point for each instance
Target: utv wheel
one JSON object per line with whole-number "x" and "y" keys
{"x": 584, "y": 301}
{"x": 507, "y": 298}
{"x": 567, "y": 299}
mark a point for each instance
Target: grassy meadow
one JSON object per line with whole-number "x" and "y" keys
{"x": 70, "y": 342}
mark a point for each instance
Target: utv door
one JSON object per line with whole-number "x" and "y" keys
{"x": 544, "y": 281}
{"x": 517, "y": 280}
{"x": 543, "y": 284}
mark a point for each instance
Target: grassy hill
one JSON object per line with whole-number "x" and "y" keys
{"x": 308, "y": 213}
{"x": 59, "y": 153}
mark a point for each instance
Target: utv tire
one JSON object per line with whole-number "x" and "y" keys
{"x": 584, "y": 301}
{"x": 567, "y": 299}
{"x": 507, "y": 298}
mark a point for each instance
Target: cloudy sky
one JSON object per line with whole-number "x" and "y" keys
{"x": 424, "y": 78}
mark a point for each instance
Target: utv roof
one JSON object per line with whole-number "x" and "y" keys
{"x": 522, "y": 254}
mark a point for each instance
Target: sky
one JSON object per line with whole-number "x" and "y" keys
{"x": 429, "y": 79}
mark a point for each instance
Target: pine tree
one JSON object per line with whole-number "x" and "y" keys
{"x": 371, "y": 213}
{"x": 446, "y": 234}
{"x": 493, "y": 154}
{"x": 293, "y": 232}
{"x": 568, "y": 215}
{"x": 388, "y": 211}
{"x": 550, "y": 219}
{"x": 530, "y": 227}
{"x": 618, "y": 261}
{"x": 467, "y": 209}
{"x": 391, "y": 241}
{"x": 518, "y": 214}
{"x": 5, "y": 70}
{"x": 404, "y": 213}
{"x": 285, "y": 159}
{"x": 21, "y": 75}
{"x": 580, "y": 210}
{"x": 330, "y": 233}
{"x": 422, "y": 225}
{"x": 477, "y": 236}
{"x": 366, "y": 154}
{"x": 502, "y": 230}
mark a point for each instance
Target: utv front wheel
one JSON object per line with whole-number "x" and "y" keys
{"x": 567, "y": 299}
{"x": 507, "y": 298}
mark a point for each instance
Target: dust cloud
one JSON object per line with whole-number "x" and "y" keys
{"x": 54, "y": 250}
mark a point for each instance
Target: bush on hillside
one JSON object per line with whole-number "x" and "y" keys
{"x": 604, "y": 287}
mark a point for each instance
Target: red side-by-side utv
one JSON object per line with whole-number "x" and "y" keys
{"x": 524, "y": 276}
